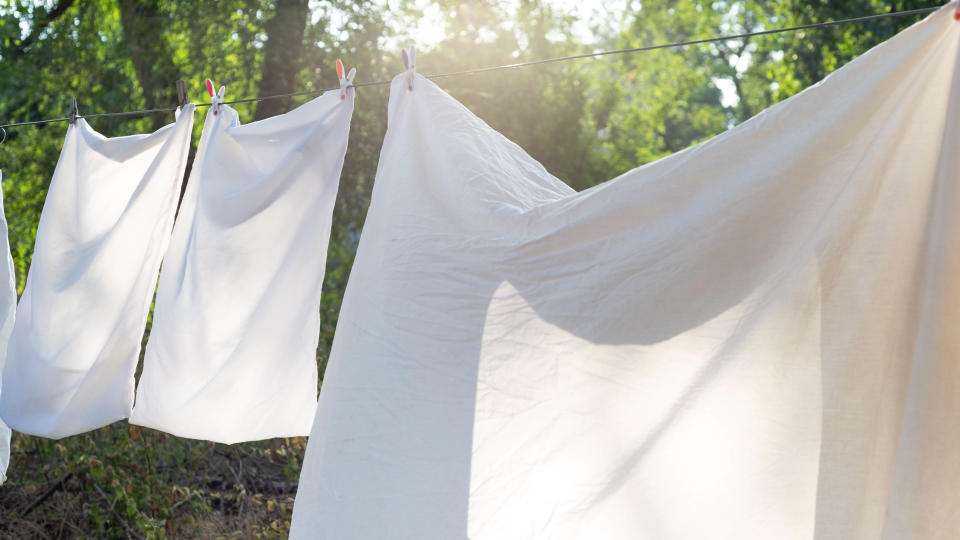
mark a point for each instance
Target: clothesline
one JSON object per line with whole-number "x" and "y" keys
{"x": 505, "y": 66}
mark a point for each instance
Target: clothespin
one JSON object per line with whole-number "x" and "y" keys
{"x": 410, "y": 62}
{"x": 4, "y": 135}
{"x": 182, "y": 100}
{"x": 73, "y": 110}
{"x": 216, "y": 99}
{"x": 956, "y": 13}
{"x": 345, "y": 82}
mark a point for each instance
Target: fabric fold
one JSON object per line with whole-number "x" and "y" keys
{"x": 104, "y": 227}
{"x": 752, "y": 338}
{"x": 232, "y": 352}
{"x": 8, "y": 305}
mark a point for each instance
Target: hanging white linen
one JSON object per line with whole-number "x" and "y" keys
{"x": 753, "y": 338}
{"x": 232, "y": 351}
{"x": 104, "y": 227}
{"x": 8, "y": 304}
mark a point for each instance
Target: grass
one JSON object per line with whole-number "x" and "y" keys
{"x": 124, "y": 481}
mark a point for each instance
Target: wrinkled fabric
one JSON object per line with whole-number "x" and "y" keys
{"x": 232, "y": 351}
{"x": 753, "y": 338}
{"x": 104, "y": 227}
{"x": 8, "y": 305}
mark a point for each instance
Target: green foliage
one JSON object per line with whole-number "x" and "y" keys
{"x": 585, "y": 120}
{"x": 122, "y": 481}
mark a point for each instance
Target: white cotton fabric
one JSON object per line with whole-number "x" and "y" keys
{"x": 104, "y": 227}
{"x": 8, "y": 305}
{"x": 757, "y": 337}
{"x": 232, "y": 351}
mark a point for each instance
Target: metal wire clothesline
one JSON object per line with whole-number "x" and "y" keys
{"x": 505, "y": 66}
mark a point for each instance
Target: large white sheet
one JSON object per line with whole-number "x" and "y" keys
{"x": 754, "y": 338}
{"x": 104, "y": 227}
{"x": 8, "y": 305}
{"x": 232, "y": 351}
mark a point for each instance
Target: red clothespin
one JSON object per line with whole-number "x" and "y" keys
{"x": 956, "y": 13}
{"x": 345, "y": 82}
{"x": 215, "y": 98}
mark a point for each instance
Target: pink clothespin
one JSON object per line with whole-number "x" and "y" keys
{"x": 215, "y": 98}
{"x": 345, "y": 82}
{"x": 410, "y": 62}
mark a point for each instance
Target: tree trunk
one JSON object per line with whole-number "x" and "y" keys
{"x": 152, "y": 62}
{"x": 282, "y": 56}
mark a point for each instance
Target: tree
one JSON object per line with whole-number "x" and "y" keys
{"x": 659, "y": 102}
{"x": 282, "y": 56}
{"x": 780, "y": 65}
{"x": 144, "y": 30}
